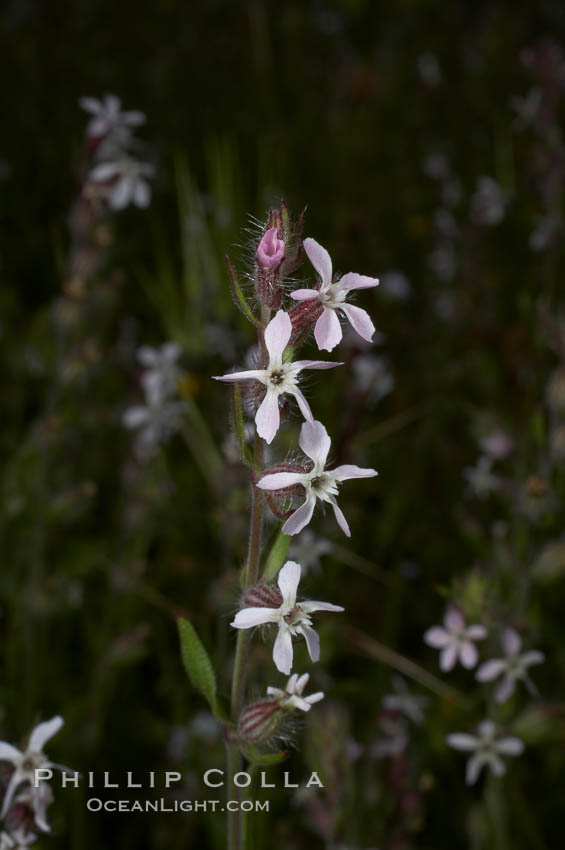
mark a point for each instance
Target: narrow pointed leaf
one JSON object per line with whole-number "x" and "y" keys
{"x": 276, "y": 557}
{"x": 238, "y": 295}
{"x": 197, "y": 662}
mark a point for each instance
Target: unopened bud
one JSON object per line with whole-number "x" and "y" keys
{"x": 262, "y": 596}
{"x": 302, "y": 317}
{"x": 270, "y": 251}
{"x": 284, "y": 502}
{"x": 259, "y": 721}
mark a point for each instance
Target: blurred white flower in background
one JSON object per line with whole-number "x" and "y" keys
{"x": 512, "y": 668}
{"x": 108, "y": 117}
{"x": 480, "y": 479}
{"x": 489, "y": 202}
{"x": 307, "y": 549}
{"x": 405, "y": 702}
{"x": 487, "y": 750}
{"x": 124, "y": 182}
{"x": 456, "y": 640}
{"x": 372, "y": 375}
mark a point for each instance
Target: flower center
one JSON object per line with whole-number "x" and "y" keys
{"x": 277, "y": 377}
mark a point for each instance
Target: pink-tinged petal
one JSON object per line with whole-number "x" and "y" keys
{"x": 511, "y": 642}
{"x": 288, "y": 579}
{"x": 277, "y": 335}
{"x": 327, "y": 331}
{"x": 90, "y": 104}
{"x": 532, "y": 657}
{"x": 352, "y": 280}
{"x": 270, "y": 250}
{"x": 303, "y": 404}
{"x": 135, "y": 416}
{"x": 510, "y": 746}
{"x": 312, "y": 642}
{"x": 462, "y": 741}
{"x": 282, "y": 650}
{"x": 453, "y": 620}
{"x": 113, "y": 105}
{"x": 304, "y": 294}
{"x": 120, "y": 195}
{"x": 505, "y": 689}
{"x": 134, "y": 118}
{"x": 248, "y": 618}
{"x": 476, "y": 632}
{"x": 43, "y": 732}
{"x": 349, "y": 470}
{"x": 104, "y": 171}
{"x": 448, "y": 657}
{"x": 280, "y": 480}
{"x": 320, "y": 259}
{"x": 437, "y": 637}
{"x": 300, "y": 518}
{"x": 249, "y": 375}
{"x": 340, "y": 517}
{"x": 359, "y": 320}
{"x": 490, "y": 670}
{"x": 267, "y": 418}
{"x": 315, "y": 442}
{"x": 468, "y": 654}
{"x": 142, "y": 194}
{"x": 312, "y": 605}
{"x": 8, "y": 752}
{"x": 315, "y": 364}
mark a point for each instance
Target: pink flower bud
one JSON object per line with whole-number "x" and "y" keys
{"x": 270, "y": 251}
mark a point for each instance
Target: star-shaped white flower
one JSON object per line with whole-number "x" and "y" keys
{"x": 25, "y": 763}
{"x": 279, "y": 377}
{"x": 455, "y": 639}
{"x": 108, "y": 117}
{"x": 162, "y": 373}
{"x": 512, "y": 668}
{"x": 486, "y": 748}
{"x": 291, "y": 617}
{"x": 320, "y": 483}
{"x": 291, "y": 698}
{"x": 18, "y": 840}
{"x": 332, "y": 296}
{"x": 129, "y": 182}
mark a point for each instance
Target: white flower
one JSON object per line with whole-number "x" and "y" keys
{"x": 405, "y": 702}
{"x": 39, "y": 799}
{"x": 487, "y": 749}
{"x": 497, "y": 445}
{"x": 332, "y": 298}
{"x": 396, "y": 285}
{"x": 109, "y": 118}
{"x": 308, "y": 549}
{"x": 25, "y": 763}
{"x": 279, "y": 377}
{"x": 513, "y": 668}
{"x": 156, "y": 423}
{"x": 291, "y": 697}
{"x": 480, "y": 478}
{"x": 291, "y": 617}
{"x": 488, "y": 204}
{"x": 372, "y": 375}
{"x": 127, "y": 183}
{"x": 161, "y": 377}
{"x": 320, "y": 483}
{"x": 455, "y": 639}
{"x": 16, "y": 840}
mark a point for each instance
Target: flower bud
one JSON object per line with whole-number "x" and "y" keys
{"x": 302, "y": 317}
{"x": 270, "y": 251}
{"x": 260, "y": 721}
{"x": 262, "y": 596}
{"x": 284, "y": 502}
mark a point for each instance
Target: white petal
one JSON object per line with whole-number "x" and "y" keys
{"x": 147, "y": 355}
{"x": 349, "y": 470}
{"x": 104, "y": 171}
{"x": 359, "y": 320}
{"x": 315, "y": 697}
{"x": 267, "y": 418}
{"x": 43, "y": 732}
{"x": 312, "y": 605}
{"x": 448, "y": 657}
{"x": 121, "y": 194}
{"x": 312, "y": 642}
{"x": 532, "y": 657}
{"x": 247, "y": 618}
{"x": 476, "y": 632}
{"x": 90, "y": 104}
{"x": 490, "y": 670}
{"x": 327, "y": 331}
{"x": 315, "y": 364}
{"x": 288, "y": 579}
{"x": 277, "y": 335}
{"x": 291, "y": 685}
{"x": 300, "y": 683}
{"x": 474, "y": 767}
{"x": 9, "y": 753}
{"x": 300, "y": 518}
{"x": 303, "y": 404}
{"x": 142, "y": 194}
{"x": 462, "y": 741}
{"x": 282, "y": 650}
{"x": 352, "y": 280}
{"x": 304, "y": 294}
{"x": 511, "y": 642}
{"x": 468, "y": 654}
{"x": 320, "y": 259}
{"x": 505, "y": 689}
{"x": 249, "y": 375}
{"x": 453, "y": 620}
{"x": 315, "y": 442}
{"x": 510, "y": 746}
{"x": 275, "y": 692}
{"x": 133, "y": 117}
{"x": 15, "y": 780}
{"x": 340, "y": 517}
{"x": 437, "y": 637}
{"x": 135, "y": 416}
{"x": 280, "y": 480}
{"x": 171, "y": 351}
{"x": 496, "y": 765}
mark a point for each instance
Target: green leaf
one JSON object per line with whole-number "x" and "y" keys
{"x": 276, "y": 557}
{"x": 197, "y": 663}
{"x": 238, "y": 295}
{"x": 253, "y": 755}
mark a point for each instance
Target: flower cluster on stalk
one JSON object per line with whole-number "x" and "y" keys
{"x": 293, "y": 488}
{"x": 24, "y": 801}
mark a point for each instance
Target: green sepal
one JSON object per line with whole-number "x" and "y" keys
{"x": 276, "y": 557}
{"x": 255, "y": 756}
